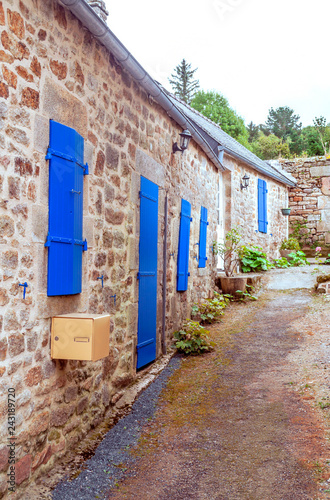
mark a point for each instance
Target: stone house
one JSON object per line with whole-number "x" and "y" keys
{"x": 98, "y": 215}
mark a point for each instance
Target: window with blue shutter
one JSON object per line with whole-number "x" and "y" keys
{"x": 202, "y": 238}
{"x": 65, "y": 227}
{"x": 262, "y": 206}
{"x": 183, "y": 252}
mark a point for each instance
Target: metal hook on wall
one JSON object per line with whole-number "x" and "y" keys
{"x": 25, "y": 285}
{"x": 101, "y": 278}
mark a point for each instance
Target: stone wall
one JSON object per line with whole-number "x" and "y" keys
{"x": 52, "y": 68}
{"x": 242, "y": 207}
{"x": 310, "y": 199}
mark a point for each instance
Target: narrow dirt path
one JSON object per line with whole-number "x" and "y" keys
{"x": 236, "y": 424}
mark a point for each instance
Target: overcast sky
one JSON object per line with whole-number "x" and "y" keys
{"x": 258, "y": 53}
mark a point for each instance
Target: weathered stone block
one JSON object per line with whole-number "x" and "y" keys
{"x": 322, "y": 171}
{"x": 16, "y": 23}
{"x": 4, "y": 91}
{"x": 114, "y": 216}
{"x": 82, "y": 405}
{"x": 4, "y": 458}
{"x": 62, "y": 106}
{"x": 133, "y": 253}
{"x": 39, "y": 223}
{"x": 71, "y": 393}
{"x": 41, "y": 133}
{"x": 35, "y": 66}
{"x": 149, "y": 168}
{"x": 23, "y": 469}
{"x": 33, "y": 376}
{"x": 30, "y": 98}
{"x": 7, "y": 226}
{"x": 112, "y": 157}
{"x": 10, "y": 77}
{"x": 3, "y": 349}
{"x": 39, "y": 424}
{"x": 60, "y": 415}
{"x": 99, "y": 167}
{"x": 18, "y": 49}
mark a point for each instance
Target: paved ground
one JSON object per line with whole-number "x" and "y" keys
{"x": 249, "y": 421}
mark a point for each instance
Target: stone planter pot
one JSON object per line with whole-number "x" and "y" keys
{"x": 286, "y": 211}
{"x": 230, "y": 284}
{"x": 285, "y": 253}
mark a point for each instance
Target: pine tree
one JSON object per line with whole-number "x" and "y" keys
{"x": 182, "y": 81}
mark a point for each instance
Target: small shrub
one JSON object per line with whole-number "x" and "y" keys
{"x": 327, "y": 260}
{"x": 281, "y": 263}
{"x": 211, "y": 310}
{"x": 193, "y": 339}
{"x": 244, "y": 296}
{"x": 298, "y": 259}
{"x": 290, "y": 244}
{"x": 254, "y": 259}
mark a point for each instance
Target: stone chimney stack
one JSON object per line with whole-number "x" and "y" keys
{"x": 100, "y": 8}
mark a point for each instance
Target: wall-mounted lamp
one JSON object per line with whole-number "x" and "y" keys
{"x": 245, "y": 182}
{"x": 185, "y": 137}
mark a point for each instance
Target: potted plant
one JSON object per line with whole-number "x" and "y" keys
{"x": 288, "y": 246}
{"x": 230, "y": 251}
{"x": 286, "y": 211}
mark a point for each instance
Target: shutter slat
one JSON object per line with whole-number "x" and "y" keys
{"x": 202, "y": 238}
{"x": 183, "y": 251}
{"x": 65, "y": 211}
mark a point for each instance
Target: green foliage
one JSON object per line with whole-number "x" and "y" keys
{"x": 244, "y": 296}
{"x": 229, "y": 250}
{"x": 216, "y": 107}
{"x": 211, "y": 310}
{"x": 323, "y": 130}
{"x": 268, "y": 147}
{"x": 282, "y": 122}
{"x": 281, "y": 263}
{"x": 253, "y": 131}
{"x": 312, "y": 143}
{"x": 298, "y": 259}
{"x": 300, "y": 231}
{"x": 182, "y": 81}
{"x": 254, "y": 259}
{"x": 327, "y": 260}
{"x": 290, "y": 244}
{"x": 193, "y": 339}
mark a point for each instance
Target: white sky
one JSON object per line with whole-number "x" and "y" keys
{"x": 258, "y": 53}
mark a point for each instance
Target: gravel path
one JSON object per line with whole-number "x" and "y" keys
{"x": 106, "y": 467}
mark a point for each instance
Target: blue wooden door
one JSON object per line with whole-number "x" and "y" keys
{"x": 147, "y": 319}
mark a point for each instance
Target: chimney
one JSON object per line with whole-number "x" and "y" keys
{"x": 100, "y": 8}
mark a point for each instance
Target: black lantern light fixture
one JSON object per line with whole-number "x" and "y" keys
{"x": 185, "y": 137}
{"x": 245, "y": 182}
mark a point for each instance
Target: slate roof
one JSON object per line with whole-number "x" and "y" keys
{"x": 216, "y": 138}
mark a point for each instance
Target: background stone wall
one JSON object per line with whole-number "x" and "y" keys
{"x": 310, "y": 199}
{"x": 53, "y": 68}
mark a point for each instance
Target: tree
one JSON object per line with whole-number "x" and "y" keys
{"x": 312, "y": 143}
{"x": 282, "y": 122}
{"x": 182, "y": 81}
{"x": 324, "y": 133}
{"x": 253, "y": 131}
{"x": 270, "y": 147}
{"x": 216, "y": 107}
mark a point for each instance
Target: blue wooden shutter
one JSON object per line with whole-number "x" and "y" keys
{"x": 147, "y": 317}
{"x": 262, "y": 206}
{"x": 202, "y": 238}
{"x": 65, "y": 236}
{"x": 183, "y": 252}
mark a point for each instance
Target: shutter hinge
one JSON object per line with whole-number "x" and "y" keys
{"x": 85, "y": 246}
{"x": 86, "y": 172}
